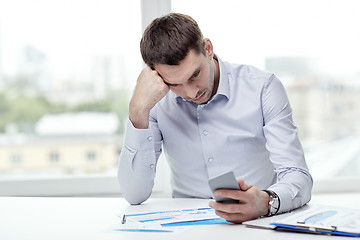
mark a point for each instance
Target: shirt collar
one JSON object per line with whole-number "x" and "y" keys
{"x": 223, "y": 88}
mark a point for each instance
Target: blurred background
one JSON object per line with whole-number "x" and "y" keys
{"x": 68, "y": 68}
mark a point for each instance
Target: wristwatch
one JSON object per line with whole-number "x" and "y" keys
{"x": 274, "y": 203}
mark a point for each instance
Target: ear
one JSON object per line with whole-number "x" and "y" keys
{"x": 208, "y": 48}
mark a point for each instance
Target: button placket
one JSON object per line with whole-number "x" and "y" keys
{"x": 205, "y": 137}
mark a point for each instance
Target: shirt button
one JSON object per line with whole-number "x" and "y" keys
{"x": 152, "y": 166}
{"x": 210, "y": 160}
{"x": 205, "y": 132}
{"x": 149, "y": 138}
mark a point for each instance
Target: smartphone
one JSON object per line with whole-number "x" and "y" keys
{"x": 224, "y": 181}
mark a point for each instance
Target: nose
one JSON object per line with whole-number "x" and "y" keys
{"x": 191, "y": 90}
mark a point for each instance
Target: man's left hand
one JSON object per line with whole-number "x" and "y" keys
{"x": 253, "y": 203}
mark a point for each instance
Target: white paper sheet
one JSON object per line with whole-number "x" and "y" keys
{"x": 174, "y": 216}
{"x": 152, "y": 222}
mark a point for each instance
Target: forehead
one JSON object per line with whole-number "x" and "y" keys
{"x": 177, "y": 74}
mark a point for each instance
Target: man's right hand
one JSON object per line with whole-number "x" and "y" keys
{"x": 150, "y": 88}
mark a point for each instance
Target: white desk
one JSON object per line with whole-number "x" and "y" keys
{"x": 91, "y": 218}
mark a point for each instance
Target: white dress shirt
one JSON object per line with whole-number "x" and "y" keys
{"x": 246, "y": 127}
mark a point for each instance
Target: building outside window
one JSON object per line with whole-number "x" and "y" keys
{"x": 91, "y": 156}
{"x": 16, "y": 159}
{"x": 54, "y": 157}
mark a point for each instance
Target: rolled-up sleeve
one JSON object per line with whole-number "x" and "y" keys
{"x": 294, "y": 182}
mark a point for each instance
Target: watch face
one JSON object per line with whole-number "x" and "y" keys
{"x": 274, "y": 205}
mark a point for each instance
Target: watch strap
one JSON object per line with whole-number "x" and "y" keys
{"x": 273, "y": 210}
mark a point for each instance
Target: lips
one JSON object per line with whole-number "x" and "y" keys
{"x": 198, "y": 98}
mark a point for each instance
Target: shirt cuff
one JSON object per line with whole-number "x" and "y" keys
{"x": 138, "y": 139}
{"x": 285, "y": 198}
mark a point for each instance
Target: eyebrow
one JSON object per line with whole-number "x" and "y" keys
{"x": 192, "y": 76}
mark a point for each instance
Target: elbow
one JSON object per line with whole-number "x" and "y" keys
{"x": 134, "y": 187}
{"x": 134, "y": 193}
{"x": 135, "y": 199}
{"x": 309, "y": 189}
{"x": 304, "y": 189}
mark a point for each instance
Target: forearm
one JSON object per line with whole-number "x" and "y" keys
{"x": 137, "y": 163}
{"x": 149, "y": 90}
{"x": 138, "y": 115}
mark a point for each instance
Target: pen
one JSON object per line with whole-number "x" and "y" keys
{"x": 315, "y": 228}
{"x": 123, "y": 221}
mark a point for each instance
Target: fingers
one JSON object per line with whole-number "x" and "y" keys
{"x": 151, "y": 78}
{"x": 236, "y": 213}
{"x": 226, "y": 207}
{"x": 230, "y": 193}
{"x": 150, "y": 88}
{"x": 231, "y": 217}
{"x": 239, "y": 212}
{"x": 236, "y": 194}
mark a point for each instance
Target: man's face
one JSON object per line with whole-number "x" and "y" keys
{"x": 193, "y": 79}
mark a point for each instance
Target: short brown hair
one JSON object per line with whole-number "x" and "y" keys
{"x": 168, "y": 39}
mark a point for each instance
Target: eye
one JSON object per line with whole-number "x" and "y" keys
{"x": 196, "y": 74}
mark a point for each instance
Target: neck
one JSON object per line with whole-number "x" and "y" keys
{"x": 216, "y": 75}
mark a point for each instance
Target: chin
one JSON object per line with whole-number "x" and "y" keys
{"x": 207, "y": 99}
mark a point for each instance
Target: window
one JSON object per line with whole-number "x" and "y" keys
{"x": 313, "y": 47}
{"x": 16, "y": 159}
{"x": 67, "y": 69}
{"x": 54, "y": 157}
{"x": 91, "y": 156}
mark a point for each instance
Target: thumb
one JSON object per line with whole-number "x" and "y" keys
{"x": 243, "y": 185}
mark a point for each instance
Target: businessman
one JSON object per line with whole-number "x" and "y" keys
{"x": 210, "y": 116}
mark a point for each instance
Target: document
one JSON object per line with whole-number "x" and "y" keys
{"x": 174, "y": 216}
{"x": 168, "y": 221}
{"x": 324, "y": 220}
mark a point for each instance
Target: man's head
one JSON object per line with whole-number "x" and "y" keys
{"x": 168, "y": 40}
{"x": 174, "y": 46}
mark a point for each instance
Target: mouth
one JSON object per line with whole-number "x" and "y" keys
{"x": 198, "y": 98}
